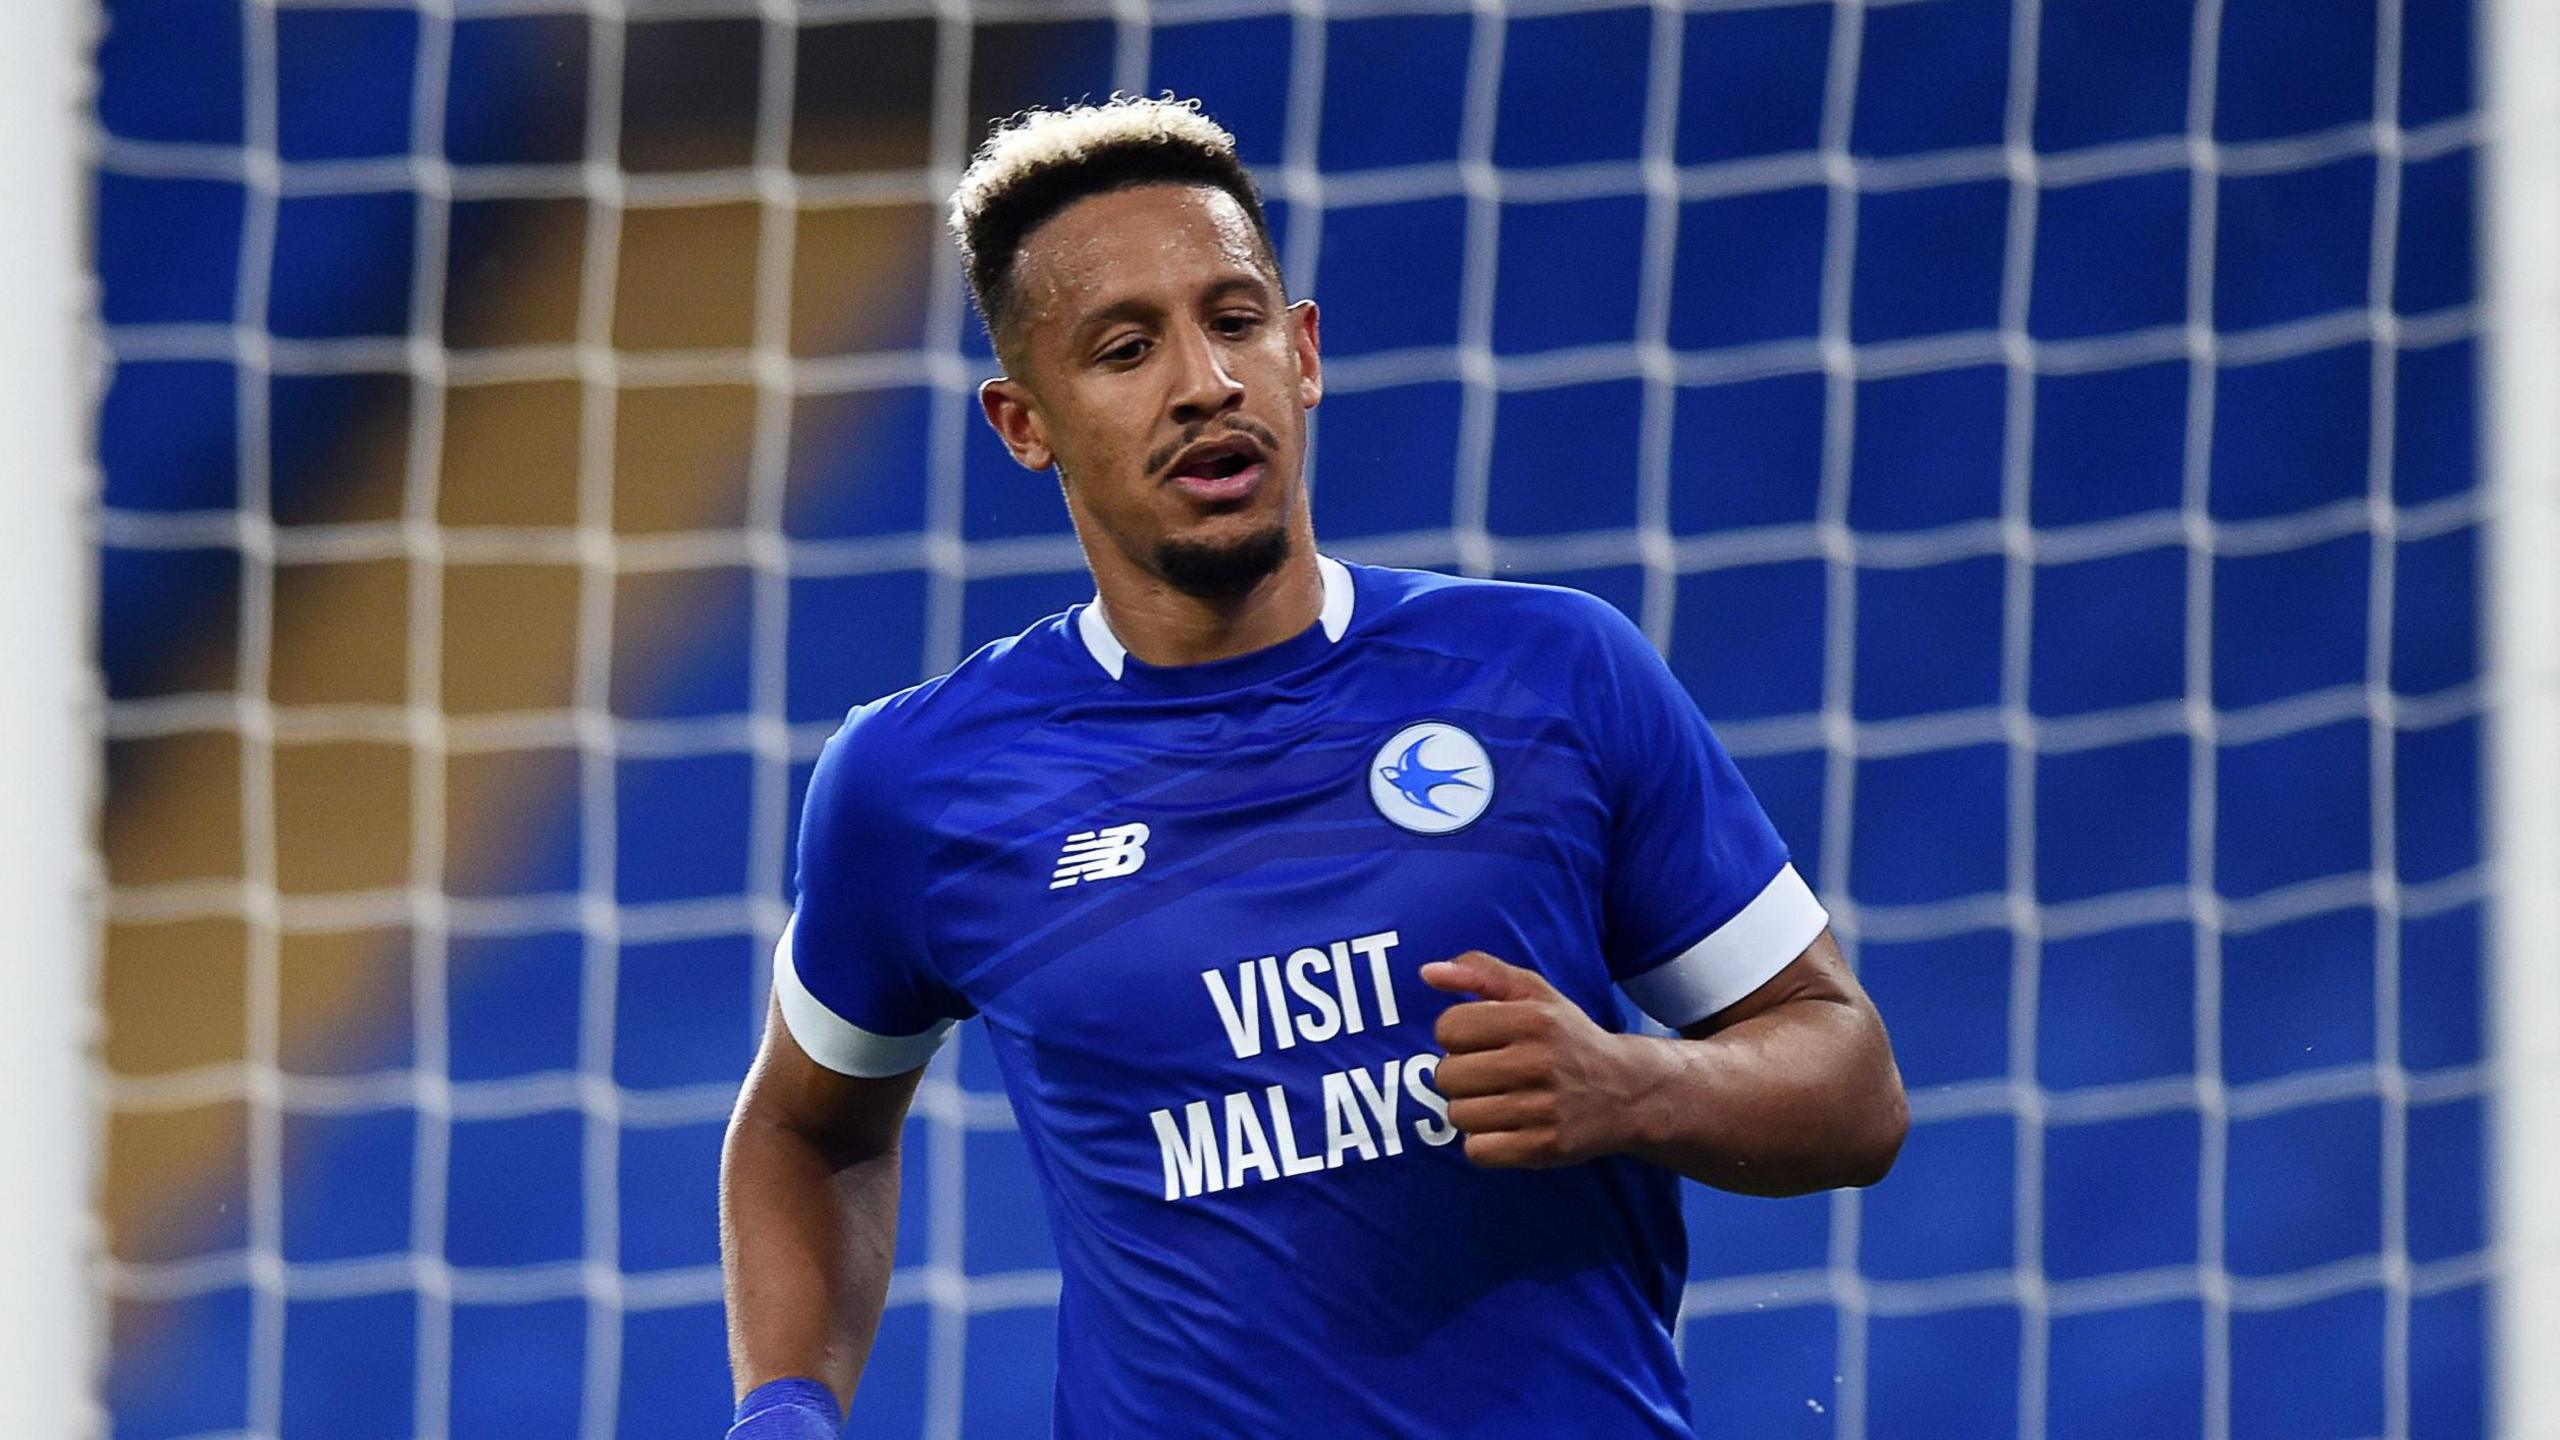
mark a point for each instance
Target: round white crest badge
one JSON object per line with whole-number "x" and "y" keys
{"x": 1431, "y": 778}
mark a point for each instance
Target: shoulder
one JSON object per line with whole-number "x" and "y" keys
{"x": 890, "y": 754}
{"x": 1511, "y": 620}
{"x": 1578, "y": 654}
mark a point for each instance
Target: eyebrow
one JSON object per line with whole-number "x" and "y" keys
{"x": 1136, "y": 308}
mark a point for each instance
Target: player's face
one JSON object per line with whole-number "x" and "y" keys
{"x": 1156, "y": 365}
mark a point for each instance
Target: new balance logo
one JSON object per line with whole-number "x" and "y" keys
{"x": 1100, "y": 854}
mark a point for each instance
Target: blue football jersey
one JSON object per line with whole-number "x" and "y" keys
{"x": 1191, "y": 902}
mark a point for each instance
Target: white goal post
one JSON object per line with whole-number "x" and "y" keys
{"x": 48, "y": 1322}
{"x": 2520, "y": 52}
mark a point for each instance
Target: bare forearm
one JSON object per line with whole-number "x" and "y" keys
{"x": 1800, "y": 1098}
{"x": 806, "y": 1245}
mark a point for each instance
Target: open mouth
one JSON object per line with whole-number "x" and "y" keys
{"x": 1215, "y": 467}
{"x": 1218, "y": 459}
{"x": 1226, "y": 468}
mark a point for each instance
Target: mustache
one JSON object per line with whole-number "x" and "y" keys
{"x": 1254, "y": 430}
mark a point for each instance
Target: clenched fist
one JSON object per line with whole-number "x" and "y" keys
{"x": 1531, "y": 1080}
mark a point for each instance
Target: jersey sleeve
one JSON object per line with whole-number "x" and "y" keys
{"x": 853, "y": 972}
{"x": 1702, "y": 906}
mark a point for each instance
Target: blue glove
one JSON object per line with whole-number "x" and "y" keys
{"x": 792, "y": 1409}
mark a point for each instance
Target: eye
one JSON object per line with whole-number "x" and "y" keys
{"x": 1236, "y": 322}
{"x": 1127, "y": 352}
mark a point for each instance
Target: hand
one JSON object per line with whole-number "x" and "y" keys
{"x": 1531, "y": 1080}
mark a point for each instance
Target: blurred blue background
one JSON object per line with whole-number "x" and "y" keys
{"x": 527, "y": 431}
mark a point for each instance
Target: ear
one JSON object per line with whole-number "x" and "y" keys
{"x": 1303, "y": 337}
{"x": 1017, "y": 422}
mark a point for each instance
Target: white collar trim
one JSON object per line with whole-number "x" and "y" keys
{"x": 1335, "y": 617}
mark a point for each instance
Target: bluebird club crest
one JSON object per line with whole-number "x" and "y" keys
{"x": 1432, "y": 778}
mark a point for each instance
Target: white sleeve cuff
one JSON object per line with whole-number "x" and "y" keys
{"x": 836, "y": 1042}
{"x": 1737, "y": 958}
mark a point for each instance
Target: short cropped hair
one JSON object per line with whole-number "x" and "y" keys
{"x": 1037, "y": 163}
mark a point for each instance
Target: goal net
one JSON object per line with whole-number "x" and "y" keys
{"x": 2042, "y": 436}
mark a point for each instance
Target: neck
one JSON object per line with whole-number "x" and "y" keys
{"x": 1165, "y": 626}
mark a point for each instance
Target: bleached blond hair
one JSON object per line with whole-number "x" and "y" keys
{"x": 1034, "y": 164}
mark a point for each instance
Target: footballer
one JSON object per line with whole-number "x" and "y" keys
{"x": 1296, "y": 898}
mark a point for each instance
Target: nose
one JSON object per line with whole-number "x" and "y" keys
{"x": 1203, "y": 389}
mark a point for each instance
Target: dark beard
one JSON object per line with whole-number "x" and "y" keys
{"x": 1222, "y": 572}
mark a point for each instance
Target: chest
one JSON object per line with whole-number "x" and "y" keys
{"x": 1253, "y": 883}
